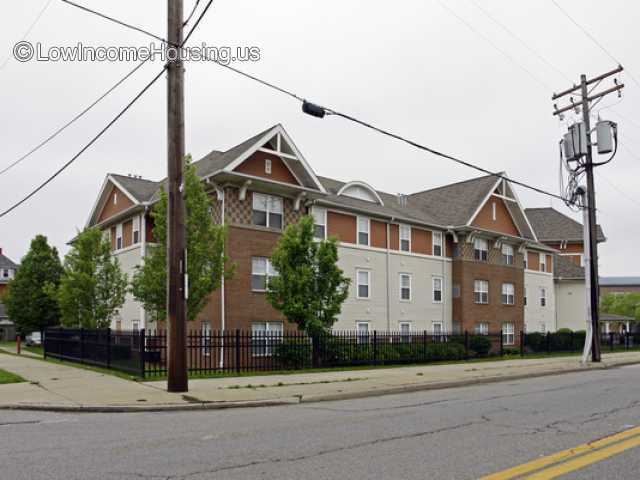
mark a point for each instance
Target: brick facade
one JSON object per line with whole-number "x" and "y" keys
{"x": 466, "y": 270}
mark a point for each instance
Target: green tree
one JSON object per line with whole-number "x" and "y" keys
{"x": 28, "y": 299}
{"x": 310, "y": 287}
{"x": 206, "y": 260}
{"x": 627, "y": 304}
{"x": 93, "y": 287}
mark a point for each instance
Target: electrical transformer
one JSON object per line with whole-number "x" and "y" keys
{"x": 604, "y": 133}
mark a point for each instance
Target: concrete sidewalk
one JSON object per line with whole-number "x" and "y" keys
{"x": 59, "y": 387}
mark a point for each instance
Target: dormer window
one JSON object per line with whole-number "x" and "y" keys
{"x": 364, "y": 227}
{"x": 267, "y": 166}
{"x": 481, "y": 249}
{"x": 115, "y": 198}
{"x": 119, "y": 236}
{"x": 360, "y": 191}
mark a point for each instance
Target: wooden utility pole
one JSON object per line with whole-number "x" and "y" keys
{"x": 177, "y": 380}
{"x": 585, "y": 104}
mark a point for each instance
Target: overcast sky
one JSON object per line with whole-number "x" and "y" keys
{"x": 409, "y": 66}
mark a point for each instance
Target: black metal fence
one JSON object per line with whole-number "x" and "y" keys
{"x": 144, "y": 353}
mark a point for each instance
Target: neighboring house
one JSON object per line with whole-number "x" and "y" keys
{"x": 567, "y": 236}
{"x": 619, "y": 285}
{"x": 453, "y": 258}
{"x": 7, "y": 271}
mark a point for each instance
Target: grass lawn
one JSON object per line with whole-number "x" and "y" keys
{"x": 12, "y": 345}
{"x": 8, "y": 377}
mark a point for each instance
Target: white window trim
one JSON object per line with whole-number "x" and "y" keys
{"x": 542, "y": 262}
{"x": 115, "y": 198}
{"x": 368, "y": 272}
{"x": 493, "y": 211}
{"x": 368, "y": 231}
{"x": 440, "y": 243}
{"x": 324, "y": 212}
{"x": 135, "y": 228}
{"x": 433, "y": 327}
{"x": 510, "y": 297}
{"x": 481, "y": 328}
{"x": 484, "y": 248}
{"x": 481, "y": 291}
{"x": 404, "y": 322}
{"x": 543, "y": 298}
{"x": 266, "y": 274}
{"x": 407, "y": 229}
{"x": 268, "y": 210}
{"x": 507, "y": 255}
{"x": 400, "y": 287}
{"x": 506, "y": 332}
{"x": 119, "y": 236}
{"x": 433, "y": 289}
{"x": 267, "y": 166}
{"x": 275, "y": 334}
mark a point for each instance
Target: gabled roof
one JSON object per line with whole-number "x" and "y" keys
{"x": 552, "y": 226}
{"x": 139, "y": 188}
{"x": 567, "y": 269}
{"x": 6, "y": 262}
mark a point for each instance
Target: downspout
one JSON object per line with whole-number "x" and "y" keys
{"x": 143, "y": 254}
{"x": 222, "y": 295}
{"x": 388, "y": 274}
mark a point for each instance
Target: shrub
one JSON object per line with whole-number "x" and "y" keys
{"x": 480, "y": 344}
{"x": 444, "y": 351}
{"x": 536, "y": 341}
{"x": 293, "y": 354}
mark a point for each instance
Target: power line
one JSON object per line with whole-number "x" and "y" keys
{"x": 29, "y": 30}
{"x": 104, "y": 130}
{"x": 520, "y": 39}
{"x": 86, "y": 147}
{"x": 195, "y": 7}
{"x": 73, "y": 120}
{"x": 495, "y": 46}
{"x": 594, "y": 40}
{"x": 619, "y": 190}
{"x": 115, "y": 20}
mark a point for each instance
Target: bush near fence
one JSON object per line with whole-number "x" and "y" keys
{"x": 145, "y": 353}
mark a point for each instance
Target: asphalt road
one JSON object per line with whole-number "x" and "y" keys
{"x": 461, "y": 433}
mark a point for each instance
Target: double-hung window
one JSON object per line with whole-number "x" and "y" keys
{"x": 405, "y": 238}
{"x": 481, "y": 291}
{"x": 437, "y": 244}
{"x": 507, "y": 254}
{"x": 525, "y": 296}
{"x": 482, "y": 328}
{"x": 363, "y": 280}
{"x": 437, "y": 289}
{"x": 405, "y": 287}
{"x": 526, "y": 259}
{"x": 261, "y": 272}
{"x": 265, "y": 336}
{"x": 508, "y": 294}
{"x": 543, "y": 297}
{"x": 267, "y": 211}
{"x": 119, "y": 241}
{"x": 319, "y": 222}
{"x": 481, "y": 249}
{"x": 364, "y": 228}
{"x": 508, "y": 334}
{"x": 543, "y": 262}
{"x": 136, "y": 229}
{"x": 405, "y": 331}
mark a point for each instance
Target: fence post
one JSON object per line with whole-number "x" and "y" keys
{"x": 572, "y": 342}
{"x": 466, "y": 345}
{"x": 521, "y": 343}
{"x": 548, "y": 343}
{"x": 143, "y": 352}
{"x": 611, "y": 341}
{"x": 109, "y": 347}
{"x": 44, "y": 343}
{"x": 375, "y": 347}
{"x": 626, "y": 339}
{"x": 314, "y": 350}
{"x": 237, "y": 349}
{"x": 501, "y": 343}
{"x": 81, "y": 344}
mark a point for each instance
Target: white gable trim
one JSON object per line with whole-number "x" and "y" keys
{"x": 515, "y": 200}
{"x": 524, "y": 214}
{"x": 282, "y": 134}
{"x": 364, "y": 185}
{"x": 100, "y": 201}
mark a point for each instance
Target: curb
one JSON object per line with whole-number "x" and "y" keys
{"x": 299, "y": 399}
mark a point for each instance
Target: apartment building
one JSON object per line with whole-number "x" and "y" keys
{"x": 566, "y": 236}
{"x": 462, "y": 257}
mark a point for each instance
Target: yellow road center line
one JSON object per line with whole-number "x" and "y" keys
{"x": 585, "y": 460}
{"x": 563, "y": 455}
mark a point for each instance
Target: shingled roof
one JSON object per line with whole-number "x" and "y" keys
{"x": 142, "y": 189}
{"x": 6, "y": 262}
{"x": 566, "y": 269}
{"x": 552, "y": 226}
